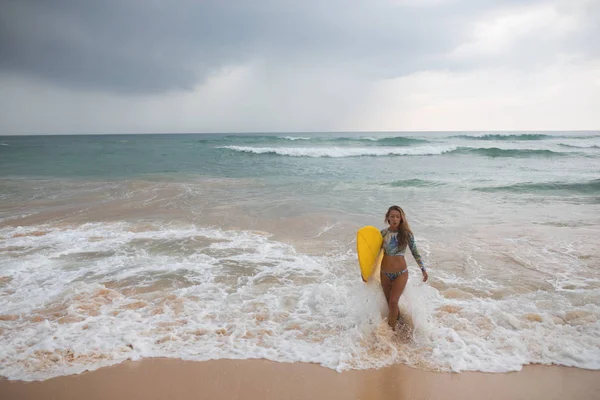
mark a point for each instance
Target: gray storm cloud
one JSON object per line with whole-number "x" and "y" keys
{"x": 280, "y": 65}
{"x": 156, "y": 46}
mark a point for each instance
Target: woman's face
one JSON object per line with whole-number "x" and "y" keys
{"x": 394, "y": 218}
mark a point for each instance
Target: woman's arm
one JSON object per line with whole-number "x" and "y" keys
{"x": 415, "y": 252}
{"x": 417, "y": 255}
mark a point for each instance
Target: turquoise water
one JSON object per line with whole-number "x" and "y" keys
{"x": 513, "y": 166}
{"x": 115, "y": 156}
{"x": 242, "y": 246}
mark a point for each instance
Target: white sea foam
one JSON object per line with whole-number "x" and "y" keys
{"x": 325, "y": 230}
{"x": 339, "y": 152}
{"x": 81, "y": 297}
{"x": 295, "y": 138}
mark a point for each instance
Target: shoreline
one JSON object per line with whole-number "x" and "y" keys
{"x": 165, "y": 378}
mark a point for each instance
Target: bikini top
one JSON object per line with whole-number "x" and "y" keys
{"x": 390, "y": 246}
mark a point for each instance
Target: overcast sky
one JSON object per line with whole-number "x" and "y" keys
{"x": 134, "y": 66}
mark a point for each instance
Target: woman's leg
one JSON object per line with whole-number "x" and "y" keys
{"x": 386, "y": 285}
{"x": 397, "y": 289}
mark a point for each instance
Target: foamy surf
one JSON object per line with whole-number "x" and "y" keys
{"x": 340, "y": 152}
{"x": 79, "y": 297}
{"x": 173, "y": 247}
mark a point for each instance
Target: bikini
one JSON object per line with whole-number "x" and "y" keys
{"x": 390, "y": 248}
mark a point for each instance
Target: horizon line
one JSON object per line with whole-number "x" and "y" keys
{"x": 302, "y": 132}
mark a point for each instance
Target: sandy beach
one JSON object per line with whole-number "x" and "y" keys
{"x": 260, "y": 379}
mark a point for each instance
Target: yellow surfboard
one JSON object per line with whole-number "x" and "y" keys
{"x": 368, "y": 246}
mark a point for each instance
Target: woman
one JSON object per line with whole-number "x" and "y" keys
{"x": 394, "y": 272}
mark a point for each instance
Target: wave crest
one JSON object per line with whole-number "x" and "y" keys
{"x": 588, "y": 187}
{"x": 339, "y": 152}
{"x": 499, "y": 136}
{"x": 498, "y": 152}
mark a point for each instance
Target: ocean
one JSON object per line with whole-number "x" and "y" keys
{"x": 200, "y": 247}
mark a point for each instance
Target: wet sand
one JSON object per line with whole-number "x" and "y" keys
{"x": 260, "y": 379}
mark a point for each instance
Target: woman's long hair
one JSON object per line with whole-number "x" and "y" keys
{"x": 403, "y": 229}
